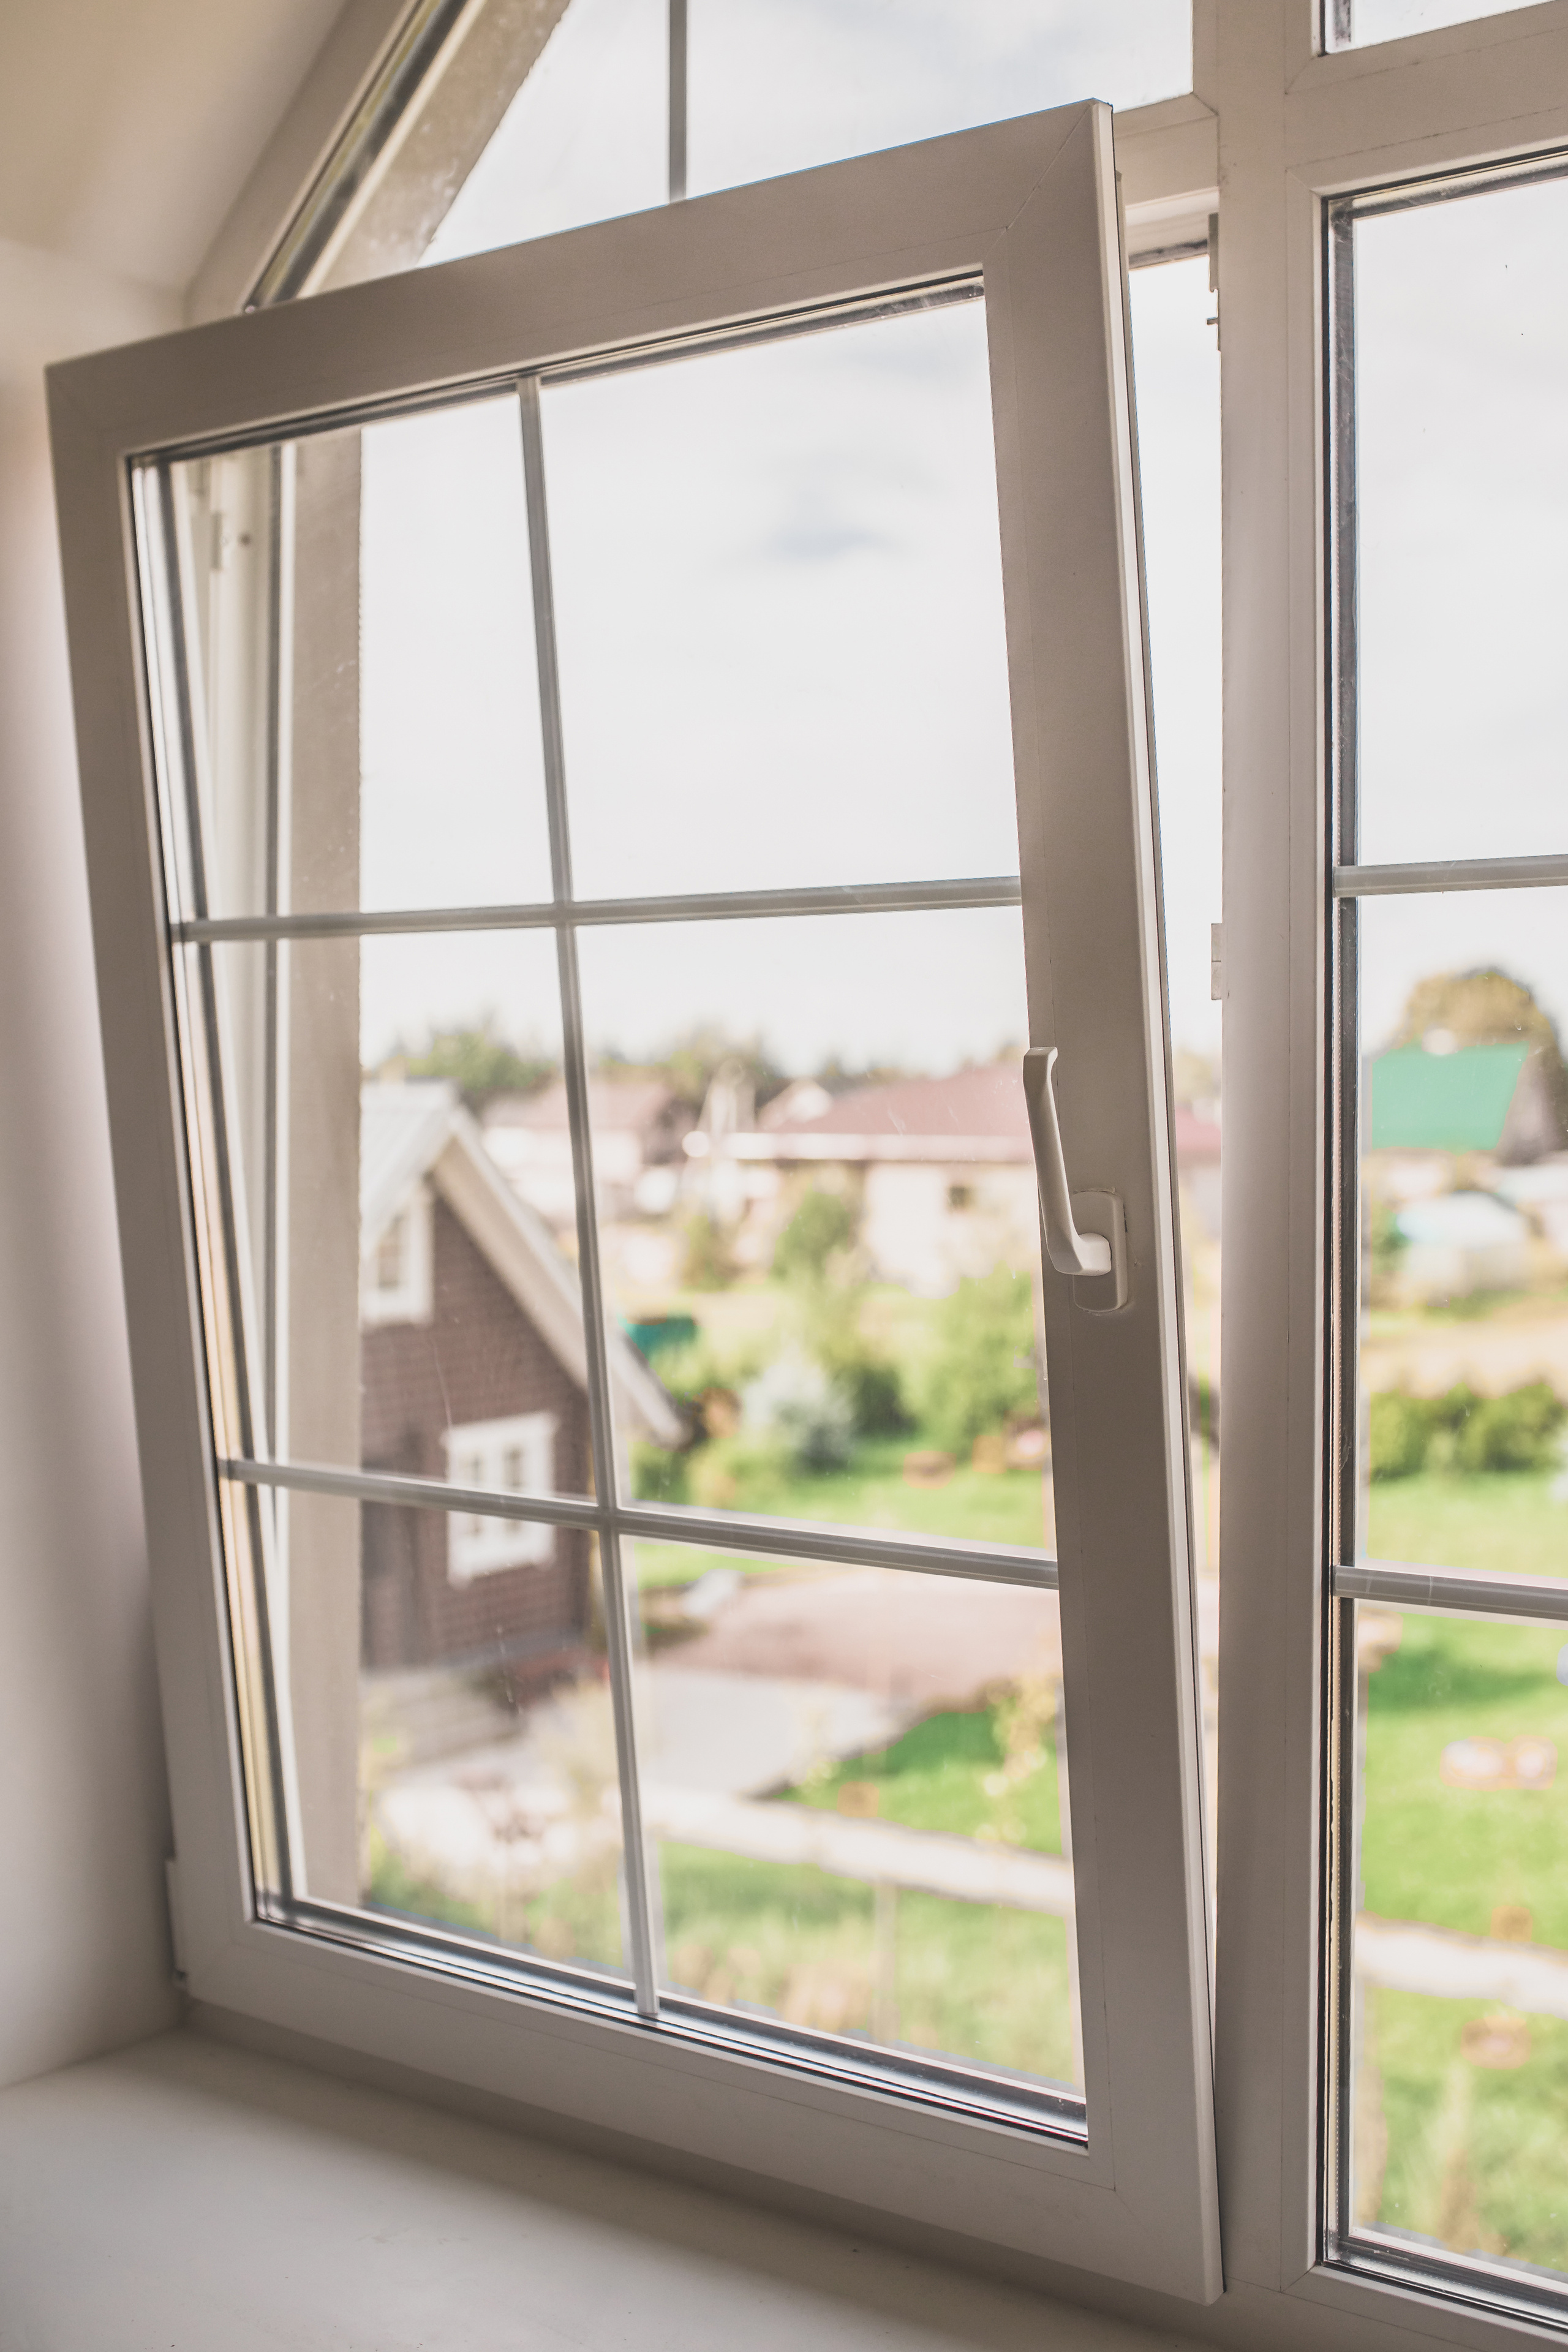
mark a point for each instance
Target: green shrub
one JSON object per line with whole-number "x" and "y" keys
{"x": 824, "y": 1223}
{"x": 1517, "y": 1432}
{"x": 1461, "y": 1431}
{"x": 981, "y": 1369}
{"x": 1401, "y": 1435}
{"x": 709, "y": 1263}
{"x": 658, "y": 1476}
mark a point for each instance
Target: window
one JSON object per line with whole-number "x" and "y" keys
{"x": 1452, "y": 1362}
{"x": 396, "y": 1283}
{"x": 508, "y": 1457}
{"x": 539, "y": 724}
{"x": 1382, "y": 272}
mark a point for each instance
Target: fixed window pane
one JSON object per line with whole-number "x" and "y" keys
{"x": 818, "y": 1213}
{"x": 445, "y": 1749}
{"x": 780, "y": 85}
{"x": 1464, "y": 1170}
{"x": 584, "y": 139}
{"x": 350, "y": 698}
{"x": 1461, "y": 494}
{"x": 857, "y": 1781}
{"x": 1353, "y": 23}
{"x": 1460, "y": 1947}
{"x": 393, "y": 1289}
{"x": 778, "y": 602}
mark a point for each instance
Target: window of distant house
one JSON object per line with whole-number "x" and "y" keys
{"x": 515, "y": 1456}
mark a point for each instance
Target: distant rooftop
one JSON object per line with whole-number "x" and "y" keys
{"x": 1444, "y": 1102}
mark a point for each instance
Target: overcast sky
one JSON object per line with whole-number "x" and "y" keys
{"x": 776, "y": 579}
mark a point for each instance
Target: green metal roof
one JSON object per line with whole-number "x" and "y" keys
{"x": 1443, "y": 1102}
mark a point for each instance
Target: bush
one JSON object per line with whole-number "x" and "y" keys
{"x": 872, "y": 1389}
{"x": 1401, "y": 1435}
{"x": 1517, "y": 1432}
{"x": 1466, "y": 1432}
{"x": 658, "y": 1476}
{"x": 796, "y": 1400}
{"x": 980, "y": 1369}
{"x": 825, "y": 1223}
{"x": 710, "y": 1263}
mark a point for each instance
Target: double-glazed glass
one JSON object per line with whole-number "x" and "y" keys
{"x": 856, "y": 1784}
{"x": 451, "y": 1750}
{"x": 1354, "y": 23}
{"x": 348, "y": 621}
{"x": 780, "y": 85}
{"x": 1461, "y": 498}
{"x": 399, "y": 1288}
{"x": 837, "y": 1267}
{"x": 1464, "y": 1190}
{"x": 786, "y": 558}
{"x": 1460, "y": 1951}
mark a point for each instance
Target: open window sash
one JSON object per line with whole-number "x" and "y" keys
{"x": 1027, "y": 212}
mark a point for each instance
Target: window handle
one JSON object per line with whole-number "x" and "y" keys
{"x": 1099, "y": 1257}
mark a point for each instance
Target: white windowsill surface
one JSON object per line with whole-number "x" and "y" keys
{"x": 184, "y": 2196}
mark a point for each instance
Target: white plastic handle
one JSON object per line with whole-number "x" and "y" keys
{"x": 1069, "y": 1251}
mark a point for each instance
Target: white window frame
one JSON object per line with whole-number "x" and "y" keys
{"x": 481, "y": 1547}
{"x": 1275, "y": 127}
{"x": 1027, "y": 210}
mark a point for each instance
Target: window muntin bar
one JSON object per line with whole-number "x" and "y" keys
{"x": 848, "y": 898}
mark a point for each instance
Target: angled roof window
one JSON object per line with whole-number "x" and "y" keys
{"x": 514, "y": 118}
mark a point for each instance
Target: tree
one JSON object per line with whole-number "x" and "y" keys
{"x": 479, "y": 1063}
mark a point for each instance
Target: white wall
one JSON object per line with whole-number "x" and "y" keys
{"x": 127, "y": 131}
{"x": 83, "y": 1960}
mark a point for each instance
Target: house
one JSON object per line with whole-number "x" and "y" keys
{"x": 1495, "y": 1098}
{"x": 473, "y": 1371}
{"x": 637, "y": 1126}
{"x": 943, "y": 1169}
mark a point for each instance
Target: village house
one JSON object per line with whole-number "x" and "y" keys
{"x": 942, "y": 1167}
{"x": 473, "y": 1371}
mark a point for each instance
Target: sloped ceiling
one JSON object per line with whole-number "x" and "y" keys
{"x": 128, "y": 127}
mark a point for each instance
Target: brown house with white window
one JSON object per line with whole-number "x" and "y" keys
{"x": 474, "y": 1372}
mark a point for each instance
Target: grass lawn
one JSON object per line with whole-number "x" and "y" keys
{"x": 977, "y": 1980}
{"x": 1005, "y": 1506}
{"x": 1474, "y": 2156}
{"x": 1507, "y": 1521}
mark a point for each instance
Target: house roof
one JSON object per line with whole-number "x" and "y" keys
{"x": 971, "y": 1115}
{"x": 638, "y": 1104}
{"x": 1444, "y": 1102}
{"x": 419, "y": 1132}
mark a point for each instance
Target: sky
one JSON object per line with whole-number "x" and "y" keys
{"x": 777, "y": 581}
{"x": 778, "y": 599}
{"x": 1462, "y": 495}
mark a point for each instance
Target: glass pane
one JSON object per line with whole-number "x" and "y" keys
{"x": 779, "y": 84}
{"x": 1464, "y": 1349}
{"x": 855, "y": 1780}
{"x": 818, "y": 1214}
{"x": 443, "y": 1695}
{"x": 586, "y": 138}
{"x": 1460, "y": 2039}
{"x": 355, "y": 618}
{"x": 406, "y": 1308}
{"x": 1461, "y": 370}
{"x": 1176, "y": 351}
{"x": 786, "y": 560}
{"x": 1354, "y": 23}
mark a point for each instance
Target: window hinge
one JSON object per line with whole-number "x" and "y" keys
{"x": 1216, "y": 963}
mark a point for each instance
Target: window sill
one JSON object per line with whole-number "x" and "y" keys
{"x": 198, "y": 2193}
